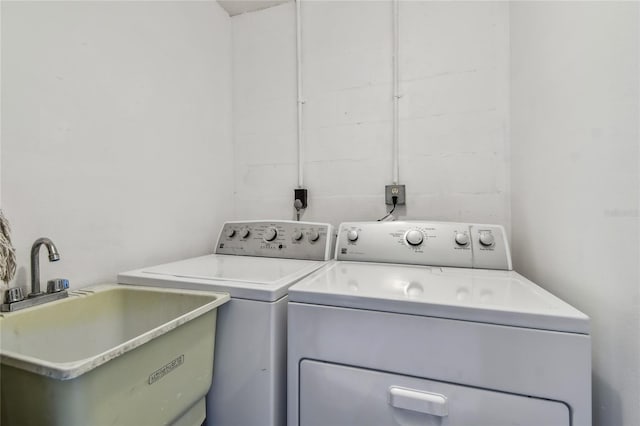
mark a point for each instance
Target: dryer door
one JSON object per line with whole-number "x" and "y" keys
{"x": 337, "y": 395}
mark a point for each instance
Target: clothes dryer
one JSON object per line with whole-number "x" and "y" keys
{"x": 255, "y": 262}
{"x": 424, "y": 323}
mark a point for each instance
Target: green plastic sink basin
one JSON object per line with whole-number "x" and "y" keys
{"x": 109, "y": 355}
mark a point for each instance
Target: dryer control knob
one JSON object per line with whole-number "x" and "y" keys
{"x": 486, "y": 239}
{"x": 314, "y": 236}
{"x": 231, "y": 232}
{"x": 462, "y": 239}
{"x": 245, "y": 233}
{"x": 297, "y": 236}
{"x": 352, "y": 235}
{"x": 414, "y": 237}
{"x": 270, "y": 234}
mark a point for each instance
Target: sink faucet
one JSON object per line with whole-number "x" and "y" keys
{"x": 35, "y": 263}
{"x": 56, "y": 288}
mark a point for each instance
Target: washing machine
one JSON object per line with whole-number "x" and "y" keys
{"x": 255, "y": 262}
{"x": 423, "y": 323}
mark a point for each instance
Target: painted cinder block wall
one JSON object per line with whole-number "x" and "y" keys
{"x": 116, "y": 133}
{"x": 575, "y": 177}
{"x": 454, "y": 110}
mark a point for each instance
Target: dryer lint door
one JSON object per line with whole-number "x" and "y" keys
{"x": 333, "y": 394}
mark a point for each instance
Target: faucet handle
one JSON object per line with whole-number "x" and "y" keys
{"x": 57, "y": 285}
{"x": 14, "y": 294}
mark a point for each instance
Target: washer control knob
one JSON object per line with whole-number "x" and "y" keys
{"x": 314, "y": 236}
{"x": 462, "y": 239}
{"x": 486, "y": 239}
{"x": 352, "y": 235}
{"x": 270, "y": 234}
{"x": 231, "y": 232}
{"x": 297, "y": 236}
{"x": 414, "y": 237}
{"x": 245, "y": 233}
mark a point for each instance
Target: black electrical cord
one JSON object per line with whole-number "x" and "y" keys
{"x": 394, "y": 199}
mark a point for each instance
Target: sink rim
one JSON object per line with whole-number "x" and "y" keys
{"x": 73, "y": 369}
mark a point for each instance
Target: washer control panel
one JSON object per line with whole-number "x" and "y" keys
{"x": 451, "y": 244}
{"x": 282, "y": 239}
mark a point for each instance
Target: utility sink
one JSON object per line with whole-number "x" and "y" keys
{"x": 109, "y": 355}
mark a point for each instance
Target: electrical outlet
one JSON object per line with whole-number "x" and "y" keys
{"x": 391, "y": 191}
{"x": 300, "y": 194}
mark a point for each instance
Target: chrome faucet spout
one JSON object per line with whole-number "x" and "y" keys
{"x": 35, "y": 262}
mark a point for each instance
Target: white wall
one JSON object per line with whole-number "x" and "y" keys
{"x": 575, "y": 177}
{"x": 454, "y": 110}
{"x": 264, "y": 112}
{"x": 116, "y": 133}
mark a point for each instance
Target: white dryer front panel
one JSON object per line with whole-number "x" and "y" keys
{"x": 336, "y": 394}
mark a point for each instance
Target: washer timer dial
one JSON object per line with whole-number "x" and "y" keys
{"x": 270, "y": 234}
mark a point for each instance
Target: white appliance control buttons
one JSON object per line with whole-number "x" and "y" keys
{"x": 270, "y": 234}
{"x": 486, "y": 239}
{"x": 443, "y": 244}
{"x": 462, "y": 239}
{"x": 414, "y": 237}
{"x": 282, "y": 239}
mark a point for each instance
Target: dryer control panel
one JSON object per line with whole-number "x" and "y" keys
{"x": 283, "y": 239}
{"x": 451, "y": 244}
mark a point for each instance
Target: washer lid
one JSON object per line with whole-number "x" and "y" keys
{"x": 257, "y": 278}
{"x": 495, "y": 297}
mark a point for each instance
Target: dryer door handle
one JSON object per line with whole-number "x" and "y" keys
{"x": 434, "y": 404}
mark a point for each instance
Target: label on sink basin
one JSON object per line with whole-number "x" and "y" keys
{"x": 166, "y": 369}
